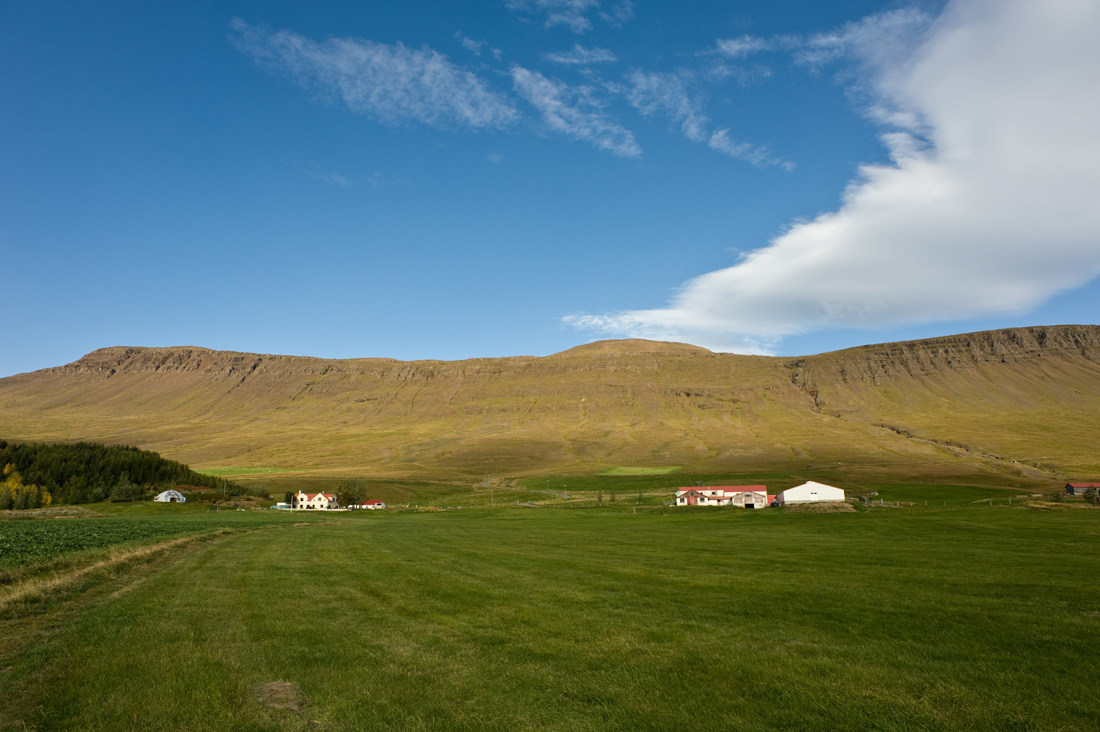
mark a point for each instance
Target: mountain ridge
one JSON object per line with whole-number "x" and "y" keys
{"x": 1001, "y": 343}
{"x": 968, "y": 402}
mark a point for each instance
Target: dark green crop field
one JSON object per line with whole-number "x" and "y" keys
{"x": 29, "y": 542}
{"x": 941, "y": 618}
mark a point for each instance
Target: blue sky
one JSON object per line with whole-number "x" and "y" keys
{"x": 503, "y": 177}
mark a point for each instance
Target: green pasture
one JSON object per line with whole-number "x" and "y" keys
{"x": 637, "y": 470}
{"x": 229, "y": 472}
{"x": 945, "y": 494}
{"x": 35, "y": 546}
{"x": 961, "y": 617}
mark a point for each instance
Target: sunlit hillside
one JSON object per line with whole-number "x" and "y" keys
{"x": 1023, "y": 403}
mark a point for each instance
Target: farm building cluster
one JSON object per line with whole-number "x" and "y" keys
{"x": 325, "y": 502}
{"x": 757, "y": 496}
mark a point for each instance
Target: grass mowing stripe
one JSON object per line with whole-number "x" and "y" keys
{"x": 43, "y": 585}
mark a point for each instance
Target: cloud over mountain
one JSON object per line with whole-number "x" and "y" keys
{"x": 986, "y": 206}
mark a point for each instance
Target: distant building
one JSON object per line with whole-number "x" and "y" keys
{"x": 170, "y": 496}
{"x": 314, "y": 500}
{"x": 370, "y": 505}
{"x": 811, "y": 492}
{"x": 742, "y": 496}
{"x": 1078, "y": 489}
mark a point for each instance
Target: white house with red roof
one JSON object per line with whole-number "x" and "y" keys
{"x": 1078, "y": 489}
{"x": 314, "y": 500}
{"x": 742, "y": 496}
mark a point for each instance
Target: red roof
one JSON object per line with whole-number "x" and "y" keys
{"x": 727, "y": 488}
{"x": 372, "y": 503}
{"x": 1085, "y": 485}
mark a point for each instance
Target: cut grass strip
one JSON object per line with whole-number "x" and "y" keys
{"x": 37, "y": 587}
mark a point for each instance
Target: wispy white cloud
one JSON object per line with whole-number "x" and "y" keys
{"x": 745, "y": 46}
{"x": 335, "y": 179}
{"x": 744, "y": 75}
{"x": 574, "y": 112}
{"x": 761, "y": 156}
{"x": 880, "y": 39}
{"x": 667, "y": 95}
{"x": 619, "y": 14}
{"x": 469, "y": 44}
{"x": 388, "y": 82}
{"x": 988, "y": 205}
{"x": 574, "y": 14}
{"x": 581, "y": 56}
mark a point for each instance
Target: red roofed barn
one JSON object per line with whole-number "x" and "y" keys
{"x": 742, "y": 496}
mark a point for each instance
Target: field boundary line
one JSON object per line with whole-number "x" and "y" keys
{"x": 43, "y": 586}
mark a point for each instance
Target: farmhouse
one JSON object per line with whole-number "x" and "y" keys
{"x": 370, "y": 505}
{"x": 1078, "y": 489}
{"x": 742, "y": 496}
{"x": 811, "y": 492}
{"x": 314, "y": 500}
{"x": 170, "y": 496}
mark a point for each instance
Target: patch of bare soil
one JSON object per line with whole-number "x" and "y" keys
{"x": 1057, "y": 506}
{"x": 279, "y": 696}
{"x": 52, "y": 512}
{"x": 830, "y": 507}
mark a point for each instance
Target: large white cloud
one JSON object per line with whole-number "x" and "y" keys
{"x": 989, "y": 205}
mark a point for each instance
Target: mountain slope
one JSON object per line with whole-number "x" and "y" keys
{"x": 974, "y": 402}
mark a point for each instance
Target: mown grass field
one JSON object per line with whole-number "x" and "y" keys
{"x": 949, "y": 618}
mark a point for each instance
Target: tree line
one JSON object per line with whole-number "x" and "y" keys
{"x": 86, "y": 472}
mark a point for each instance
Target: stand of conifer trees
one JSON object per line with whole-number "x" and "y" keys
{"x": 86, "y": 472}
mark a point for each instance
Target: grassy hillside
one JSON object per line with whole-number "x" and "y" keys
{"x": 1022, "y": 404}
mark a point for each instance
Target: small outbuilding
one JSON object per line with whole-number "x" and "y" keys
{"x": 170, "y": 496}
{"x": 810, "y": 492}
{"x": 1078, "y": 489}
{"x": 370, "y": 505}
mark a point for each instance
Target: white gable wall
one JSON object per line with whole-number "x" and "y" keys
{"x": 811, "y": 492}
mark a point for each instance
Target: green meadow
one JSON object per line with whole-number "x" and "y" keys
{"x": 230, "y": 471}
{"x": 639, "y": 470}
{"x": 959, "y": 617}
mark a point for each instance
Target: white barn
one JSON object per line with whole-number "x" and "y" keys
{"x": 811, "y": 492}
{"x": 170, "y": 496}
